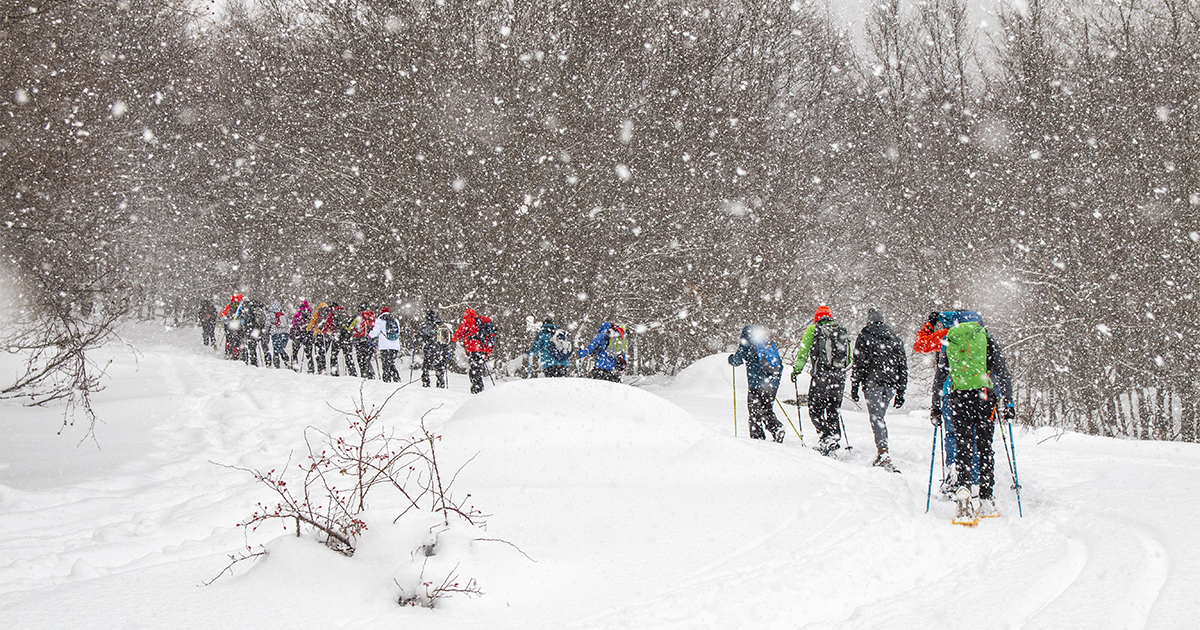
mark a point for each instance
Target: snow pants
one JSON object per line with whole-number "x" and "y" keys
{"x": 761, "y": 401}
{"x": 878, "y": 400}
{"x": 971, "y": 415}
{"x": 208, "y": 330}
{"x": 253, "y": 340}
{"x": 825, "y": 393}
{"x": 476, "y": 362}
{"x": 343, "y": 345}
{"x": 555, "y": 371}
{"x": 320, "y": 348}
{"x": 303, "y": 342}
{"x": 364, "y": 350}
{"x": 279, "y": 348}
{"x": 387, "y": 359}
{"x": 433, "y": 359}
{"x": 606, "y": 375}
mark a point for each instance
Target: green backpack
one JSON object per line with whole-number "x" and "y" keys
{"x": 616, "y": 341}
{"x": 966, "y": 354}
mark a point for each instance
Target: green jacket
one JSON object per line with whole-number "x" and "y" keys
{"x": 806, "y": 343}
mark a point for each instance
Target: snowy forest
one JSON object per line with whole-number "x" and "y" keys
{"x": 683, "y": 166}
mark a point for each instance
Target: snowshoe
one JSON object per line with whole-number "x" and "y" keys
{"x": 987, "y": 509}
{"x": 965, "y": 512}
{"x": 778, "y": 434}
{"x": 884, "y": 461}
{"x": 828, "y": 446}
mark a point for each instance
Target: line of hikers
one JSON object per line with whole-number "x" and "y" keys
{"x": 972, "y": 388}
{"x": 319, "y": 335}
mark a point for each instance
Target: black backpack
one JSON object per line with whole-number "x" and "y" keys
{"x": 486, "y": 334}
{"x": 831, "y": 347}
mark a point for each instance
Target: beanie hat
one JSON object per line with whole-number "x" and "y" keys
{"x": 385, "y": 310}
{"x": 874, "y": 316}
{"x": 822, "y": 311}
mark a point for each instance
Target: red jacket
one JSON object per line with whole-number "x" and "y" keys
{"x": 366, "y": 321}
{"x": 928, "y": 340}
{"x": 466, "y": 332}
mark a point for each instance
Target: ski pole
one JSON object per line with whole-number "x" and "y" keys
{"x": 798, "y": 434}
{"x": 733, "y": 370}
{"x": 932, "y": 456}
{"x": 847, "y": 437}
{"x": 1013, "y": 464}
{"x": 489, "y": 373}
{"x": 412, "y": 361}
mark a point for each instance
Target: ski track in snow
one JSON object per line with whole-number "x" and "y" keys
{"x": 701, "y": 530}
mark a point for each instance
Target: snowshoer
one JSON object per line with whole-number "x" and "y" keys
{"x": 234, "y": 335}
{"x": 608, "y": 348}
{"x": 931, "y": 340}
{"x": 364, "y": 348}
{"x": 827, "y": 344}
{"x": 763, "y": 369}
{"x": 980, "y": 393}
{"x": 475, "y": 345}
{"x": 302, "y": 338}
{"x": 552, "y": 347}
{"x": 277, "y": 332}
{"x": 434, "y": 341}
{"x": 881, "y": 368}
{"x": 208, "y": 323}
{"x": 255, "y": 318}
{"x": 339, "y": 340}
{"x": 320, "y": 326}
{"x": 386, "y": 332}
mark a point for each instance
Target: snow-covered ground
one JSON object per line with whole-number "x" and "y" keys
{"x": 610, "y": 507}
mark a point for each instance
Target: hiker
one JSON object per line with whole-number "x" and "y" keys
{"x": 881, "y": 368}
{"x": 763, "y": 369}
{"x": 980, "y": 393}
{"x": 339, "y": 339}
{"x": 471, "y": 332}
{"x": 277, "y": 332}
{"x": 256, "y": 331}
{"x": 302, "y": 338}
{"x": 364, "y": 347}
{"x": 827, "y": 344}
{"x": 434, "y": 341}
{"x": 232, "y": 317}
{"x": 320, "y": 325}
{"x": 386, "y": 332}
{"x": 608, "y": 348}
{"x": 552, "y": 347}
{"x": 930, "y": 340}
{"x": 208, "y": 323}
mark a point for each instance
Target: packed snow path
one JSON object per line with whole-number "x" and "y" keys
{"x": 632, "y": 507}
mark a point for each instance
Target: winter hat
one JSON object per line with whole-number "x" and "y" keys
{"x": 385, "y": 311}
{"x": 304, "y": 304}
{"x": 874, "y": 316}
{"x": 548, "y": 322}
{"x": 822, "y": 311}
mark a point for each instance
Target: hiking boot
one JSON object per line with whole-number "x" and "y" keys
{"x": 987, "y": 509}
{"x": 827, "y": 446}
{"x": 884, "y": 461}
{"x": 778, "y": 434}
{"x": 964, "y": 513}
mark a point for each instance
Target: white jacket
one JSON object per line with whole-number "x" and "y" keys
{"x": 379, "y": 331}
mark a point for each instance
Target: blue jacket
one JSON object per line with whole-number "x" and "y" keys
{"x": 599, "y": 348}
{"x": 747, "y": 353}
{"x": 541, "y": 346}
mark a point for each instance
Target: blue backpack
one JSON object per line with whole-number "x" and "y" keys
{"x": 768, "y": 357}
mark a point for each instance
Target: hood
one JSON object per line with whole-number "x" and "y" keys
{"x": 753, "y": 334}
{"x": 469, "y": 314}
{"x": 432, "y": 318}
{"x": 275, "y": 306}
{"x": 822, "y": 311}
{"x": 304, "y": 304}
{"x": 874, "y": 316}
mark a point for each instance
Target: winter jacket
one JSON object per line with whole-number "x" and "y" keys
{"x": 426, "y": 339}
{"x": 467, "y": 332}
{"x": 747, "y": 353}
{"x": 278, "y": 323}
{"x": 822, "y": 372}
{"x": 997, "y": 368}
{"x": 339, "y": 323}
{"x": 233, "y": 310}
{"x": 363, "y": 324}
{"x": 256, "y": 318}
{"x": 599, "y": 348}
{"x": 300, "y": 319}
{"x": 879, "y": 359}
{"x": 541, "y": 347}
{"x": 379, "y": 331}
{"x": 208, "y": 312}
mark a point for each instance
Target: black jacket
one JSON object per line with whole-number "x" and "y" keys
{"x": 879, "y": 359}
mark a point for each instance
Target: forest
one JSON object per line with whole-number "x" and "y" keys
{"x": 683, "y": 167}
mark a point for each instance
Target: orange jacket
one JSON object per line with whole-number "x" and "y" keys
{"x": 928, "y": 340}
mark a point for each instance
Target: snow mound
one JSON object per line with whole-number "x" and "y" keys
{"x": 710, "y": 375}
{"x": 551, "y": 431}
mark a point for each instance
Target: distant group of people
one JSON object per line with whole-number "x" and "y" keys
{"x": 972, "y": 387}
{"x": 321, "y": 339}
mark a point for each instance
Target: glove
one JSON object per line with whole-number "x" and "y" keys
{"x": 854, "y": 394}
{"x": 899, "y": 401}
{"x": 935, "y": 416}
{"x": 794, "y": 375}
{"x": 1010, "y": 413}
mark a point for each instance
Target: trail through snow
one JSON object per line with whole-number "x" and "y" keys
{"x": 626, "y": 507}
